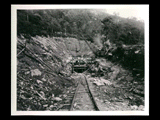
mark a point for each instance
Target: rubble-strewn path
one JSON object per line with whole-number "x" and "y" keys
{"x": 105, "y": 98}
{"x": 107, "y": 95}
{"x": 117, "y": 89}
{"x": 81, "y": 99}
{"x": 113, "y": 91}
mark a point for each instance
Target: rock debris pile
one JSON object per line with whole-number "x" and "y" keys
{"x": 118, "y": 84}
{"x": 42, "y": 73}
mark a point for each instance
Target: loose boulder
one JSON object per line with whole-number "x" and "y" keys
{"x": 35, "y": 72}
{"x": 106, "y": 82}
{"x": 57, "y": 99}
{"x": 129, "y": 78}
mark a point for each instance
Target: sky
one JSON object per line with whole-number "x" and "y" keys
{"x": 138, "y": 11}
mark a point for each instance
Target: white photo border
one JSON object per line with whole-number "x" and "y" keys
{"x": 14, "y": 9}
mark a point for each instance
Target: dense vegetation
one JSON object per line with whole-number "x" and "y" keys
{"x": 78, "y": 23}
{"x": 128, "y": 36}
{"x": 57, "y": 23}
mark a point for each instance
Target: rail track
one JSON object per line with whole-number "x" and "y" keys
{"x": 79, "y": 99}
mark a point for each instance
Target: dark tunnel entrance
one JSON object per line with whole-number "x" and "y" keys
{"x": 78, "y": 70}
{"x": 79, "y": 66}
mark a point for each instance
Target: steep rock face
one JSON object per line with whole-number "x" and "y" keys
{"x": 42, "y": 72}
{"x": 78, "y": 47}
{"x": 55, "y": 46}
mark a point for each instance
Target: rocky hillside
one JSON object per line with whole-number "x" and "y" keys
{"x": 78, "y": 47}
{"x": 42, "y": 70}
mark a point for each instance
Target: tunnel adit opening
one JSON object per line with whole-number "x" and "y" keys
{"x": 79, "y": 66}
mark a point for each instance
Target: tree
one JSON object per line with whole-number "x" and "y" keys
{"x": 108, "y": 27}
{"x": 129, "y": 31}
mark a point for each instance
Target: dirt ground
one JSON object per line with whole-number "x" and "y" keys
{"x": 115, "y": 90}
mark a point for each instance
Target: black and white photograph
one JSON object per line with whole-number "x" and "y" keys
{"x": 80, "y": 59}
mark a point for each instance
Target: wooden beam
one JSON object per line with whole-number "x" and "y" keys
{"x": 20, "y": 52}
